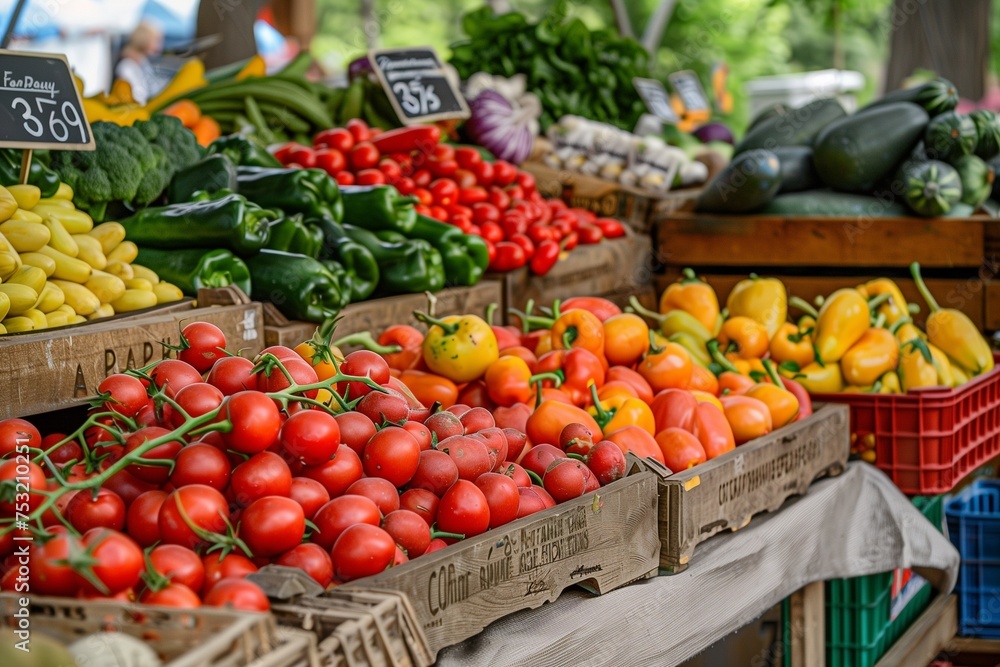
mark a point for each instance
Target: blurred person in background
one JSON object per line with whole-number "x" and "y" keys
{"x": 135, "y": 67}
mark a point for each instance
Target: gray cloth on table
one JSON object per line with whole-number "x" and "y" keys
{"x": 855, "y": 524}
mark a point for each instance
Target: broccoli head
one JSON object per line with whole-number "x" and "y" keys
{"x": 177, "y": 141}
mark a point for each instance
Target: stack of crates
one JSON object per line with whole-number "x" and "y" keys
{"x": 974, "y": 527}
{"x": 866, "y": 615}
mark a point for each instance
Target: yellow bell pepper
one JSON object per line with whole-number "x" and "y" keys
{"x": 894, "y": 305}
{"x": 890, "y": 383}
{"x": 842, "y": 320}
{"x": 693, "y": 296}
{"x": 817, "y": 379}
{"x": 905, "y": 330}
{"x": 459, "y": 347}
{"x": 954, "y": 333}
{"x": 875, "y": 354}
{"x": 792, "y": 344}
{"x": 619, "y": 411}
{"x": 919, "y": 367}
{"x": 762, "y": 299}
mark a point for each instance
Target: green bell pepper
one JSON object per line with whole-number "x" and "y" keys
{"x": 243, "y": 152}
{"x": 310, "y": 192}
{"x": 194, "y": 268}
{"x": 39, "y": 175}
{"x": 209, "y": 174}
{"x": 357, "y": 260}
{"x": 295, "y": 235}
{"x": 301, "y": 287}
{"x": 227, "y": 222}
{"x": 465, "y": 256}
{"x": 378, "y": 208}
{"x": 344, "y": 280}
{"x": 404, "y": 268}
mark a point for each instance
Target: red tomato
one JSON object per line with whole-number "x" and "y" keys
{"x": 203, "y": 508}
{"x": 304, "y": 156}
{"x": 384, "y": 407}
{"x": 154, "y": 474}
{"x": 392, "y": 454}
{"x": 607, "y": 461}
{"x": 142, "y": 518}
{"x": 444, "y": 192}
{"x": 484, "y": 172}
{"x": 177, "y": 596}
{"x": 311, "y": 436}
{"x": 364, "y": 155}
{"x": 362, "y": 550}
{"x": 263, "y": 474}
{"x": 405, "y": 185}
{"x": 272, "y": 525}
{"x": 51, "y": 573}
{"x": 423, "y": 196}
{"x": 391, "y": 169}
{"x": 300, "y": 370}
{"x": 338, "y": 139}
{"x": 338, "y": 473}
{"x": 363, "y": 363}
{"x": 178, "y": 564}
{"x": 122, "y": 393}
{"x": 219, "y": 567}
{"x": 119, "y": 562}
{"x": 436, "y": 472}
{"x": 504, "y": 173}
{"x": 21, "y": 474}
{"x": 85, "y": 511}
{"x": 476, "y": 419}
{"x": 370, "y": 177}
{"x": 344, "y": 178}
{"x": 355, "y": 430}
{"x": 464, "y": 510}
{"x": 312, "y": 559}
{"x": 502, "y": 497}
{"x": 409, "y": 530}
{"x": 358, "y": 129}
{"x": 255, "y": 419}
{"x": 339, "y": 514}
{"x": 174, "y": 374}
{"x": 442, "y": 168}
{"x": 421, "y": 502}
{"x": 199, "y": 463}
{"x": 330, "y": 160}
{"x": 566, "y": 479}
{"x": 205, "y": 344}
{"x": 484, "y": 212}
{"x": 238, "y": 594}
{"x": 310, "y": 494}
{"x": 499, "y": 197}
{"x": 472, "y": 456}
{"x": 231, "y": 375}
{"x": 282, "y": 152}
{"x": 196, "y": 400}
{"x": 464, "y": 178}
{"x": 379, "y": 491}
{"x": 467, "y": 156}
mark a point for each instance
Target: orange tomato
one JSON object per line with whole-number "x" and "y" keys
{"x": 748, "y": 417}
{"x": 782, "y": 404}
{"x": 636, "y": 440}
{"x": 323, "y": 367}
{"x": 206, "y": 130}
{"x": 548, "y": 420}
{"x": 430, "y": 389}
{"x": 713, "y": 430}
{"x": 704, "y": 380}
{"x": 578, "y": 328}
{"x": 186, "y": 111}
{"x": 626, "y": 339}
{"x": 629, "y": 376}
{"x": 681, "y": 450}
{"x": 666, "y": 367}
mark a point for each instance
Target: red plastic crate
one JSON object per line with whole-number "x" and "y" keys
{"x": 927, "y": 440}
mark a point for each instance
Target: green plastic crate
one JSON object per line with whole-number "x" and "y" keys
{"x": 859, "y": 623}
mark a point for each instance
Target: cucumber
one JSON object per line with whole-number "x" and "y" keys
{"x": 949, "y": 136}
{"x": 987, "y": 133}
{"x": 833, "y": 204}
{"x": 855, "y": 153}
{"x": 768, "y": 112}
{"x": 795, "y": 128}
{"x": 977, "y": 179}
{"x": 797, "y": 170}
{"x": 935, "y": 97}
{"x": 746, "y": 184}
{"x": 932, "y": 188}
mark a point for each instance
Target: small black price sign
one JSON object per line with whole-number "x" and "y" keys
{"x": 655, "y": 96}
{"x": 417, "y": 85}
{"x": 40, "y": 106}
{"x": 688, "y": 86}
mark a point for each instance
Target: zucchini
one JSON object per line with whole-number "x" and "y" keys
{"x": 935, "y": 97}
{"x": 746, "y": 184}
{"x": 833, "y": 204}
{"x": 798, "y": 127}
{"x": 770, "y": 111}
{"x": 797, "y": 170}
{"x": 987, "y": 133}
{"x": 949, "y": 136}
{"x": 977, "y": 179}
{"x": 932, "y": 188}
{"x": 855, "y": 153}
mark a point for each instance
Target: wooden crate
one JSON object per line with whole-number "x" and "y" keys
{"x": 377, "y": 314}
{"x": 726, "y": 492}
{"x": 204, "y": 637}
{"x": 608, "y": 199}
{"x": 616, "y": 267}
{"x": 602, "y": 540}
{"x": 59, "y": 368}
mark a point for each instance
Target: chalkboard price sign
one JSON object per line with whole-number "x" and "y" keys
{"x": 418, "y": 88}
{"x": 655, "y": 96}
{"x": 688, "y": 86}
{"x": 40, "y": 106}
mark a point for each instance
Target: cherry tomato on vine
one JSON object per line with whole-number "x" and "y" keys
{"x": 272, "y": 525}
{"x": 312, "y": 559}
{"x": 105, "y": 510}
{"x": 118, "y": 563}
{"x": 311, "y": 435}
{"x": 339, "y": 514}
{"x": 238, "y": 594}
{"x": 192, "y": 507}
{"x": 263, "y": 474}
{"x": 125, "y": 395}
{"x": 205, "y": 345}
{"x": 219, "y": 567}
{"x": 231, "y": 375}
{"x": 362, "y": 550}
{"x": 178, "y": 564}
{"x": 255, "y": 419}
{"x": 464, "y": 510}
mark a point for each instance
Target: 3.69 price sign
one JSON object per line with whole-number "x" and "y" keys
{"x": 40, "y": 106}
{"x": 417, "y": 85}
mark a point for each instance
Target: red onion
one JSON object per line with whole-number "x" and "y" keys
{"x": 498, "y": 126}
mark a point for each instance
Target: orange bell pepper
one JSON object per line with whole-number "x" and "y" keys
{"x": 704, "y": 380}
{"x": 430, "y": 389}
{"x": 673, "y": 407}
{"x": 618, "y": 412}
{"x": 746, "y": 337}
{"x": 544, "y": 343}
{"x": 578, "y": 328}
{"x": 630, "y": 377}
{"x": 408, "y": 338}
{"x": 694, "y": 297}
{"x": 508, "y": 381}
{"x": 705, "y": 397}
{"x": 781, "y": 403}
{"x": 626, "y": 339}
{"x": 748, "y": 417}
{"x": 549, "y": 394}
{"x": 550, "y": 417}
{"x": 523, "y": 353}
{"x": 713, "y": 430}
{"x": 616, "y": 388}
{"x": 681, "y": 449}
{"x": 638, "y": 441}
{"x": 666, "y": 367}
{"x": 732, "y": 383}
{"x": 792, "y": 344}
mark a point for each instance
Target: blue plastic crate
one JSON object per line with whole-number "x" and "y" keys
{"x": 974, "y": 527}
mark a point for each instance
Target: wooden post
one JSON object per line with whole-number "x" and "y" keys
{"x": 25, "y": 165}
{"x": 808, "y": 643}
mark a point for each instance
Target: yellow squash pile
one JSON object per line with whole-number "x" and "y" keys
{"x": 57, "y": 268}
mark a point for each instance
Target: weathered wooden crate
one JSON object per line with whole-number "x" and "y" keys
{"x": 203, "y": 637}
{"x": 59, "y": 368}
{"x": 608, "y": 199}
{"x": 617, "y": 267}
{"x": 959, "y": 257}
{"x": 376, "y": 314}
{"x": 726, "y": 492}
{"x": 602, "y": 540}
